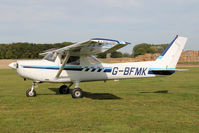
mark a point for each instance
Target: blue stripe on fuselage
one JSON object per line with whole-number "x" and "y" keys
{"x": 72, "y": 68}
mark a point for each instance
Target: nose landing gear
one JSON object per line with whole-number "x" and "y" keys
{"x": 31, "y": 92}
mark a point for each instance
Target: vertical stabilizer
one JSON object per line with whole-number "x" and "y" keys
{"x": 169, "y": 58}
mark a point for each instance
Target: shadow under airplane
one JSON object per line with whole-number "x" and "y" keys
{"x": 96, "y": 96}
{"x": 162, "y": 91}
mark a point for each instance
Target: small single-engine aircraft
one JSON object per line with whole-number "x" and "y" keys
{"x": 76, "y": 63}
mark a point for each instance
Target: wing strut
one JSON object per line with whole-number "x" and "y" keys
{"x": 63, "y": 64}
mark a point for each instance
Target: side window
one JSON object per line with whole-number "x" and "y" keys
{"x": 73, "y": 60}
{"x": 92, "y": 60}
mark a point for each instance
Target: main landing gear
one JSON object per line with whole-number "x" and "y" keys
{"x": 75, "y": 93}
{"x": 64, "y": 89}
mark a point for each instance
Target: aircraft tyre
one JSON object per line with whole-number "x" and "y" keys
{"x": 77, "y": 93}
{"x": 30, "y": 94}
{"x": 64, "y": 89}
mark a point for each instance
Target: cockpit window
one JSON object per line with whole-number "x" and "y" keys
{"x": 50, "y": 57}
{"x": 73, "y": 60}
{"x": 93, "y": 60}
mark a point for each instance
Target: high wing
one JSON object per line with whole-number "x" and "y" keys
{"x": 92, "y": 46}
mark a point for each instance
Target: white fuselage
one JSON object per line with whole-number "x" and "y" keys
{"x": 45, "y": 71}
{"x": 78, "y": 64}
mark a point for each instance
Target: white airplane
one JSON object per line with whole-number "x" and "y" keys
{"x": 75, "y": 64}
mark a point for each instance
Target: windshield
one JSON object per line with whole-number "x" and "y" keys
{"x": 50, "y": 57}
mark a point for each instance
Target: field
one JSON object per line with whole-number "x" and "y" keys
{"x": 163, "y": 104}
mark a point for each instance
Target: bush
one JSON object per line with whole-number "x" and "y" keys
{"x": 144, "y": 48}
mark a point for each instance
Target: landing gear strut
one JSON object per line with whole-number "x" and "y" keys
{"x": 31, "y": 92}
{"x": 77, "y": 92}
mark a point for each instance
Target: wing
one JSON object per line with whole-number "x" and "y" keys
{"x": 92, "y": 46}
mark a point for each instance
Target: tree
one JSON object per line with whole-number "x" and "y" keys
{"x": 116, "y": 54}
{"x": 101, "y": 55}
{"x": 144, "y": 48}
{"x": 126, "y": 55}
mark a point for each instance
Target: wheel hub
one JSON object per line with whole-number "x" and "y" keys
{"x": 77, "y": 93}
{"x": 31, "y": 93}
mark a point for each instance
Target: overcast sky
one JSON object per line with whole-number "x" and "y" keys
{"x": 135, "y": 21}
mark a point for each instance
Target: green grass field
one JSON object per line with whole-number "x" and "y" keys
{"x": 163, "y": 104}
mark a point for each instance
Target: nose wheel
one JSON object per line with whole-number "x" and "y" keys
{"x": 31, "y": 92}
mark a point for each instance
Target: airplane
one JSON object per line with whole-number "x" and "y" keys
{"x": 76, "y": 63}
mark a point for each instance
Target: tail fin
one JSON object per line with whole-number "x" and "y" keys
{"x": 169, "y": 58}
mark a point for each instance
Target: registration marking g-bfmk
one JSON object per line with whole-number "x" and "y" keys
{"x": 130, "y": 71}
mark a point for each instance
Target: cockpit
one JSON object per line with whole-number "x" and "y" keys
{"x": 73, "y": 60}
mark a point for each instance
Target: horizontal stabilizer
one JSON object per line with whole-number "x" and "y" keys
{"x": 167, "y": 71}
{"x": 173, "y": 69}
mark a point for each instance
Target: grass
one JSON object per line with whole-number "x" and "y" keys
{"x": 194, "y": 62}
{"x": 163, "y": 104}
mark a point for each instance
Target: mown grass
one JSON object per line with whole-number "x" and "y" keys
{"x": 194, "y": 62}
{"x": 163, "y": 104}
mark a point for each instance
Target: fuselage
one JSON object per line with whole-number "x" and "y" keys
{"x": 45, "y": 71}
{"x": 75, "y": 63}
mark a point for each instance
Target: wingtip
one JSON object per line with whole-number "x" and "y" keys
{"x": 128, "y": 43}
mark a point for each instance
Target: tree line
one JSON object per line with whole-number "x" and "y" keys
{"x": 139, "y": 49}
{"x": 24, "y": 50}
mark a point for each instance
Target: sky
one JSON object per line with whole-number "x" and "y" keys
{"x": 135, "y": 21}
